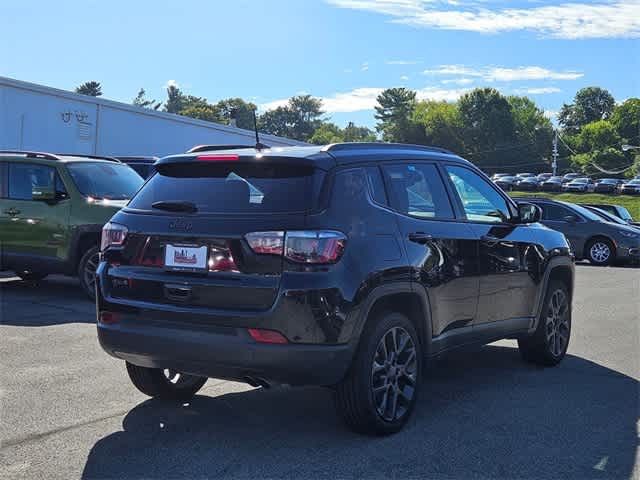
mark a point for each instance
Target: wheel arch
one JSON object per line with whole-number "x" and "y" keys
{"x": 401, "y": 298}
{"x": 561, "y": 268}
{"x": 83, "y": 238}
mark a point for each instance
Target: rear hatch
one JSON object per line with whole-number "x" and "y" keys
{"x": 190, "y": 226}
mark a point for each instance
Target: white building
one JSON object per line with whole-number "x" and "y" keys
{"x": 34, "y": 117}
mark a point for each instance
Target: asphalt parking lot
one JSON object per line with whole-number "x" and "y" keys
{"x": 68, "y": 410}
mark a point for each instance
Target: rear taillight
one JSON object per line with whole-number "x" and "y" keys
{"x": 266, "y": 243}
{"x": 113, "y": 234}
{"x": 316, "y": 247}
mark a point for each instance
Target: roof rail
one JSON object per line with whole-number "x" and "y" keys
{"x": 96, "y": 157}
{"x": 213, "y": 148}
{"x": 361, "y": 145}
{"x": 29, "y": 154}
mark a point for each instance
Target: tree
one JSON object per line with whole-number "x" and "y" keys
{"x": 142, "y": 101}
{"x": 533, "y": 131}
{"x": 488, "y": 127}
{"x": 589, "y": 105}
{"x": 91, "y": 88}
{"x": 626, "y": 120}
{"x": 440, "y": 124}
{"x": 327, "y": 133}
{"x": 299, "y": 119}
{"x": 393, "y": 112}
{"x": 175, "y": 100}
{"x": 238, "y": 109}
{"x": 354, "y": 133}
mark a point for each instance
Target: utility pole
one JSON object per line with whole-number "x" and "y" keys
{"x": 555, "y": 153}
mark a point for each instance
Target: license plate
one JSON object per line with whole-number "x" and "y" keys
{"x": 187, "y": 258}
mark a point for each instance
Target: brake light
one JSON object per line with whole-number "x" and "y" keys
{"x": 266, "y": 243}
{"x": 315, "y": 247}
{"x": 267, "y": 336}
{"x": 222, "y": 157}
{"x": 113, "y": 234}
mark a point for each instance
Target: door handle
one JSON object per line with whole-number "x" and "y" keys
{"x": 420, "y": 237}
{"x": 12, "y": 211}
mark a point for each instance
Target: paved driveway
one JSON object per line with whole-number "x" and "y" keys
{"x": 68, "y": 410}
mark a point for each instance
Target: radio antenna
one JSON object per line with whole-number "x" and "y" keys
{"x": 259, "y": 146}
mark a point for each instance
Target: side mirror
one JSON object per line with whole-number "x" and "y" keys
{"x": 570, "y": 219}
{"x": 43, "y": 193}
{"x": 529, "y": 213}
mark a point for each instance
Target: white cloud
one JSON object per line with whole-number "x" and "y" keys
{"x": 404, "y": 78}
{"x": 365, "y": 98}
{"x": 571, "y": 20}
{"x": 504, "y": 74}
{"x": 457, "y": 81}
{"x": 171, "y": 83}
{"x": 537, "y": 90}
{"x": 364, "y": 67}
{"x": 403, "y": 62}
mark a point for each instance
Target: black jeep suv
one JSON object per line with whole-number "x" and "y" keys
{"x": 347, "y": 266}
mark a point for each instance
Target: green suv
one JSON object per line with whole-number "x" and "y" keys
{"x": 53, "y": 208}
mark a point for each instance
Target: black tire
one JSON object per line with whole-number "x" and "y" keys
{"x": 600, "y": 251}
{"x": 363, "y": 409}
{"x": 548, "y": 345}
{"x": 86, "y": 271}
{"x": 157, "y": 383}
{"x": 31, "y": 277}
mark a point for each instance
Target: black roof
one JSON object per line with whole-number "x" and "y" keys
{"x": 328, "y": 156}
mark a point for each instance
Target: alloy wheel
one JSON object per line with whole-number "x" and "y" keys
{"x": 557, "y": 326}
{"x": 393, "y": 374}
{"x": 600, "y": 252}
{"x": 90, "y": 271}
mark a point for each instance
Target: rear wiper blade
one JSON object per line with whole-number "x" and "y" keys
{"x": 170, "y": 206}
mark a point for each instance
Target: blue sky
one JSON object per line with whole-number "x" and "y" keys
{"x": 344, "y": 51}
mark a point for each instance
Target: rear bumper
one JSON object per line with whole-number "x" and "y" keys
{"x": 222, "y": 352}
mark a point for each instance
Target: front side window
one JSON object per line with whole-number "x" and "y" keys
{"x": 555, "y": 213}
{"x": 417, "y": 190}
{"x": 480, "y": 201}
{"x": 25, "y": 177}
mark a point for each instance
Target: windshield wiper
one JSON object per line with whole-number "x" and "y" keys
{"x": 169, "y": 206}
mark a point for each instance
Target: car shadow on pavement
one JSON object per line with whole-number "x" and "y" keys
{"x": 52, "y": 301}
{"x": 483, "y": 413}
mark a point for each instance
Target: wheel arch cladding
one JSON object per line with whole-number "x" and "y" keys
{"x": 411, "y": 305}
{"x": 563, "y": 274}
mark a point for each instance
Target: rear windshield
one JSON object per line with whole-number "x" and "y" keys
{"x": 102, "y": 180}
{"x": 238, "y": 188}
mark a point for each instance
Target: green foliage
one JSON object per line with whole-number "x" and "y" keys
{"x": 331, "y": 133}
{"x": 393, "y": 112}
{"x": 299, "y": 119}
{"x": 626, "y": 119}
{"x": 91, "y": 88}
{"x": 238, "y": 109}
{"x": 175, "y": 100}
{"x": 440, "y": 124}
{"x": 354, "y": 133}
{"x": 589, "y": 105}
{"x": 142, "y": 101}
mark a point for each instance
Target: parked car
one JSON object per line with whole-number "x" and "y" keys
{"x": 553, "y": 184}
{"x": 617, "y": 210}
{"x": 526, "y": 175}
{"x": 141, "y": 164}
{"x": 52, "y": 209}
{"x": 506, "y": 183}
{"x": 591, "y": 237}
{"x": 607, "y": 185}
{"x": 609, "y": 217}
{"x": 530, "y": 184}
{"x": 571, "y": 176}
{"x": 496, "y": 176}
{"x": 580, "y": 185}
{"x": 632, "y": 187}
{"x": 327, "y": 280}
{"x": 544, "y": 176}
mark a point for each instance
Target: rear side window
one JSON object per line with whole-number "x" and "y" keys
{"x": 24, "y": 177}
{"x": 417, "y": 190}
{"x": 238, "y": 188}
{"x": 376, "y": 185}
